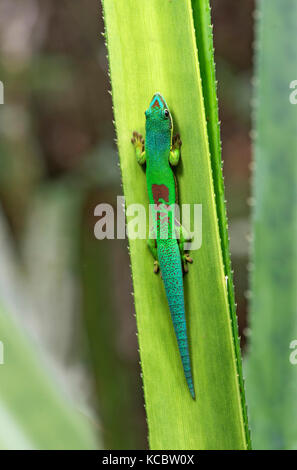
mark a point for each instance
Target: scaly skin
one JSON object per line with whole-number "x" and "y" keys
{"x": 159, "y": 152}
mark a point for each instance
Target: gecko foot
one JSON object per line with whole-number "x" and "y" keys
{"x": 138, "y": 141}
{"x": 156, "y": 267}
{"x": 186, "y": 259}
{"x": 176, "y": 142}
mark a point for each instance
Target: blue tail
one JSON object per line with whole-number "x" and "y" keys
{"x": 171, "y": 269}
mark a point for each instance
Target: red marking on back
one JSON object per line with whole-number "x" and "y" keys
{"x": 160, "y": 191}
{"x": 156, "y": 104}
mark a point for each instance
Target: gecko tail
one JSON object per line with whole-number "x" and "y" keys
{"x": 191, "y": 385}
{"x": 171, "y": 269}
{"x": 180, "y": 328}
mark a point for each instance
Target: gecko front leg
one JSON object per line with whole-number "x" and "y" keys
{"x": 175, "y": 150}
{"x": 138, "y": 142}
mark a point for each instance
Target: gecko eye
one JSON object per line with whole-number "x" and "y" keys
{"x": 166, "y": 113}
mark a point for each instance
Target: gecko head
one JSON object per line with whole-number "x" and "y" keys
{"x": 158, "y": 112}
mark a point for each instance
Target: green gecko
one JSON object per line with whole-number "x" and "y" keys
{"x": 160, "y": 151}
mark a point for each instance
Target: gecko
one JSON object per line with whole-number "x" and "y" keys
{"x": 160, "y": 151}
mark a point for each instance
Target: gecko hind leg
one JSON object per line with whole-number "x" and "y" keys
{"x": 184, "y": 236}
{"x": 151, "y": 242}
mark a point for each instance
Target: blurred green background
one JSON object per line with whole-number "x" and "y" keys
{"x": 66, "y": 309}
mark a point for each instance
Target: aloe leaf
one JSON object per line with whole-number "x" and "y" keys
{"x": 271, "y": 376}
{"x": 152, "y": 47}
{"x": 204, "y": 37}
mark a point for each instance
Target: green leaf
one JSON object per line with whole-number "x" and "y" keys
{"x": 204, "y": 37}
{"x": 152, "y": 47}
{"x": 272, "y": 378}
{"x": 34, "y": 413}
{"x": 35, "y": 410}
{"x": 116, "y": 374}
